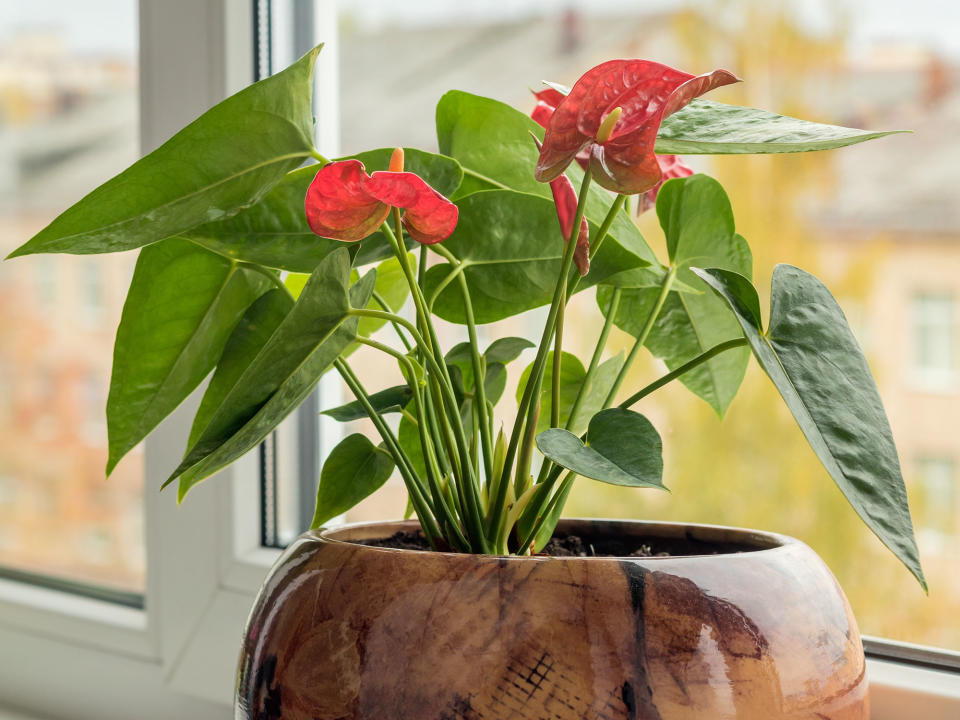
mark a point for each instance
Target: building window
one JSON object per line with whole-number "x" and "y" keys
{"x": 933, "y": 342}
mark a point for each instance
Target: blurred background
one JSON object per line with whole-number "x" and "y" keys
{"x": 878, "y": 223}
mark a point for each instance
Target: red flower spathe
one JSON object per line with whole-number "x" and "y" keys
{"x": 565, "y": 198}
{"x": 344, "y": 203}
{"x": 647, "y": 92}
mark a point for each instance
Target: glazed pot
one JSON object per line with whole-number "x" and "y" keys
{"x": 735, "y": 624}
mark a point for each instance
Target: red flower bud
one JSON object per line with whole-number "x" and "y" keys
{"x": 565, "y": 198}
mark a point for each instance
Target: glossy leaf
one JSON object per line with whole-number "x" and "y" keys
{"x": 182, "y": 305}
{"x": 705, "y": 127}
{"x": 284, "y": 371}
{"x": 511, "y": 246}
{"x": 492, "y": 142}
{"x": 697, "y": 221}
{"x": 391, "y": 400}
{"x": 354, "y": 470}
{"x": 253, "y": 331}
{"x": 223, "y": 161}
{"x": 572, "y": 377}
{"x": 813, "y": 359}
{"x": 274, "y": 232}
{"x": 507, "y": 349}
{"x": 622, "y": 448}
{"x": 499, "y": 353}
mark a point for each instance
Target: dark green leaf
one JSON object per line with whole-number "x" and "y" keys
{"x": 182, "y": 305}
{"x": 511, "y": 245}
{"x": 698, "y": 223}
{"x": 354, "y": 470}
{"x": 391, "y": 400}
{"x": 315, "y": 331}
{"x": 646, "y": 277}
{"x": 493, "y": 144}
{"x": 223, "y": 161}
{"x": 815, "y": 362}
{"x": 622, "y": 448}
{"x": 705, "y": 127}
{"x": 506, "y": 350}
{"x": 253, "y": 331}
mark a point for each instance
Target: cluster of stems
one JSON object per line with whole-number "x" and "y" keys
{"x": 476, "y": 494}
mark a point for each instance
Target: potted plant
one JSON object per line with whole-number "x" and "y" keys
{"x": 254, "y": 271}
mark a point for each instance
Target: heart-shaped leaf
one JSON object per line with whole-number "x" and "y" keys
{"x": 622, "y": 448}
{"x": 220, "y": 163}
{"x": 815, "y": 362}
{"x": 697, "y": 220}
{"x": 353, "y": 470}
{"x": 492, "y": 142}
{"x": 705, "y": 127}
{"x": 511, "y": 247}
{"x": 182, "y": 305}
{"x": 282, "y": 373}
{"x": 391, "y": 400}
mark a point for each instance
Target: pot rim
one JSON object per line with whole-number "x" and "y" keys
{"x": 758, "y": 542}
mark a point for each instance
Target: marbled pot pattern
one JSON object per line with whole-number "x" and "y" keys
{"x": 759, "y": 631}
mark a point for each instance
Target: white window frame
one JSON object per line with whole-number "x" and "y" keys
{"x": 70, "y": 657}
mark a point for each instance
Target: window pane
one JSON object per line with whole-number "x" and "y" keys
{"x": 878, "y": 223}
{"x": 68, "y": 121}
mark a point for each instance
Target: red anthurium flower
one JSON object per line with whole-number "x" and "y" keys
{"x": 344, "y": 203}
{"x": 565, "y": 198}
{"x": 547, "y": 101}
{"x": 621, "y": 151}
{"x": 671, "y": 166}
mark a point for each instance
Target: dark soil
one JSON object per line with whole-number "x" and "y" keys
{"x": 565, "y": 546}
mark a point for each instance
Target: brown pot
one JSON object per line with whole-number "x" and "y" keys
{"x": 737, "y": 624}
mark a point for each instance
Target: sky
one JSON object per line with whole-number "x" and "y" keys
{"x": 109, "y": 25}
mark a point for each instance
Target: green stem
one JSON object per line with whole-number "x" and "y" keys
{"x": 269, "y": 274}
{"x": 597, "y": 354}
{"x": 382, "y": 302}
{"x": 602, "y": 233}
{"x": 430, "y": 461}
{"x": 442, "y": 285}
{"x": 534, "y": 382}
{"x": 318, "y": 157}
{"x": 480, "y": 399}
{"x": 686, "y": 367}
{"x": 420, "y": 503}
{"x": 642, "y": 337}
{"x": 556, "y": 498}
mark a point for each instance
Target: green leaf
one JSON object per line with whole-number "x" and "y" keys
{"x": 572, "y": 377}
{"x": 253, "y": 331}
{"x": 622, "y": 448}
{"x": 705, "y": 127}
{"x": 284, "y": 371}
{"x": 506, "y": 350}
{"x": 815, "y": 362}
{"x": 275, "y": 233}
{"x": 646, "y": 277}
{"x": 697, "y": 220}
{"x": 493, "y": 144}
{"x": 511, "y": 246}
{"x": 391, "y": 400}
{"x": 223, "y": 161}
{"x": 354, "y": 470}
{"x": 182, "y": 305}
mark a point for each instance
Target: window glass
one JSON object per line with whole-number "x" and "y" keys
{"x": 68, "y": 121}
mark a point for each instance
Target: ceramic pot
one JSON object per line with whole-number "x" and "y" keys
{"x": 735, "y": 624}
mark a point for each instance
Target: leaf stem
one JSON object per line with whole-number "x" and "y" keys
{"x": 269, "y": 274}
{"x": 686, "y": 367}
{"x": 531, "y": 391}
{"x": 642, "y": 337}
{"x": 597, "y": 354}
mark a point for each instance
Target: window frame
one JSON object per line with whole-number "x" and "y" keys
{"x": 176, "y": 657}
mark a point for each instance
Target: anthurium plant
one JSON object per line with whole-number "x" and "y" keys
{"x": 264, "y": 265}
